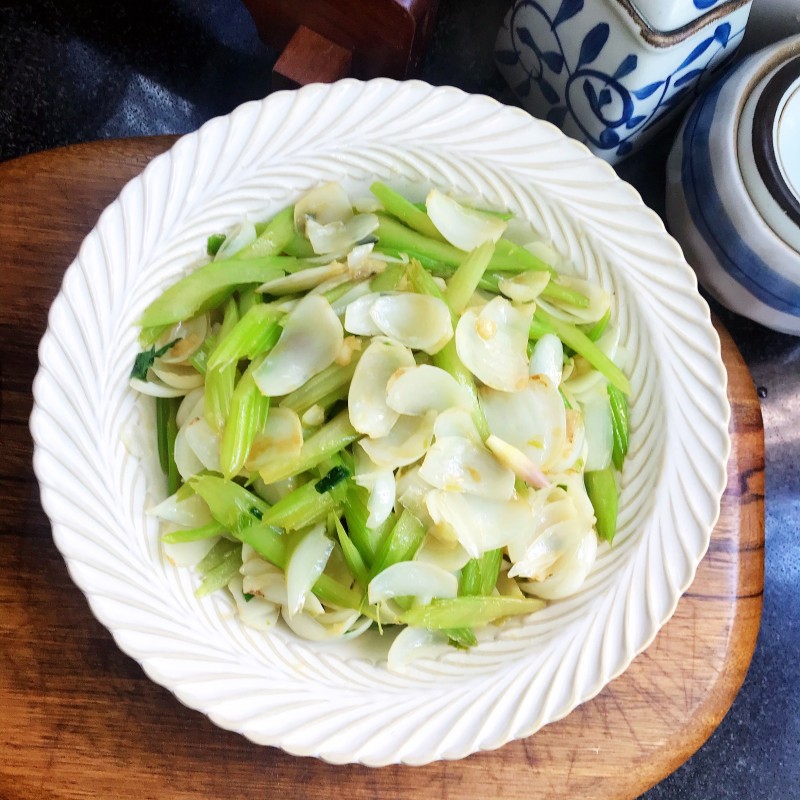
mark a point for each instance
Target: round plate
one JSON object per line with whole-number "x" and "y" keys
{"x": 339, "y": 702}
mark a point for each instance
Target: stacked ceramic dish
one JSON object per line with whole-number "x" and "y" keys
{"x": 733, "y": 197}
{"x": 613, "y": 72}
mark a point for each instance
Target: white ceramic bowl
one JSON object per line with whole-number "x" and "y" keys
{"x": 339, "y": 702}
{"x": 733, "y": 188}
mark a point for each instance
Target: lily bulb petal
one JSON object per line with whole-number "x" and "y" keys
{"x": 493, "y": 344}
{"x": 480, "y": 524}
{"x": 311, "y": 338}
{"x": 417, "y": 390}
{"x": 406, "y": 443}
{"x": 326, "y": 203}
{"x": 366, "y": 399}
{"x": 463, "y": 227}
{"x": 461, "y": 465}
{"x": 415, "y": 320}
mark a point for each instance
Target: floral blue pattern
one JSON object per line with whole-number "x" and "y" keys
{"x": 619, "y": 111}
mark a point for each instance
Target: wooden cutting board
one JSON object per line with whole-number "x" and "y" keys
{"x": 81, "y": 720}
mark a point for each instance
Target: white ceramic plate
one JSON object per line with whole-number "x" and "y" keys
{"x": 339, "y": 702}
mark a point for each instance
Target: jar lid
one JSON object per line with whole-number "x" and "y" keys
{"x": 679, "y": 17}
{"x": 769, "y": 152}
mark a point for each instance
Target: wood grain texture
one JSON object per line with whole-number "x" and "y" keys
{"x": 310, "y": 58}
{"x": 82, "y": 720}
{"x": 386, "y": 37}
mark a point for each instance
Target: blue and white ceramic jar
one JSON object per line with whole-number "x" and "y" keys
{"x": 612, "y": 72}
{"x": 733, "y": 188}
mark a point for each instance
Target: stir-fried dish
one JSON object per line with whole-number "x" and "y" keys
{"x": 385, "y": 414}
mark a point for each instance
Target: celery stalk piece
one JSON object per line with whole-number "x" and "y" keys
{"x": 400, "y": 544}
{"x": 246, "y": 419}
{"x": 199, "y": 359}
{"x": 222, "y": 574}
{"x": 465, "y": 279}
{"x": 214, "y": 242}
{"x": 299, "y": 247}
{"x": 266, "y": 541}
{"x": 353, "y": 558}
{"x": 576, "y": 339}
{"x": 557, "y": 293}
{"x": 388, "y": 280}
{"x": 255, "y": 333}
{"x": 602, "y": 490}
{"x": 479, "y": 575}
{"x": 329, "y": 439}
{"x": 334, "y": 593}
{"x": 216, "y": 555}
{"x": 397, "y": 205}
{"x": 208, "y": 531}
{"x": 248, "y": 297}
{"x": 448, "y": 360}
{"x": 277, "y": 234}
{"x": 619, "y": 423}
{"x": 366, "y": 540}
{"x": 162, "y": 434}
{"x": 510, "y": 257}
{"x": 422, "y": 281}
{"x": 597, "y": 330}
{"x": 320, "y": 385}
{"x": 333, "y": 397}
{"x": 462, "y": 638}
{"x": 233, "y": 506}
{"x": 221, "y": 381}
{"x": 220, "y": 384}
{"x": 332, "y": 295}
{"x": 432, "y": 264}
{"x": 463, "y": 612}
{"x": 304, "y": 506}
{"x": 166, "y": 431}
{"x": 208, "y": 286}
{"x": 271, "y": 545}
{"x": 394, "y": 234}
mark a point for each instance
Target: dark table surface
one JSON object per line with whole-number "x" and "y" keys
{"x": 75, "y": 70}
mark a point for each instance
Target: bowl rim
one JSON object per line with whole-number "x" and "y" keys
{"x": 68, "y": 540}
